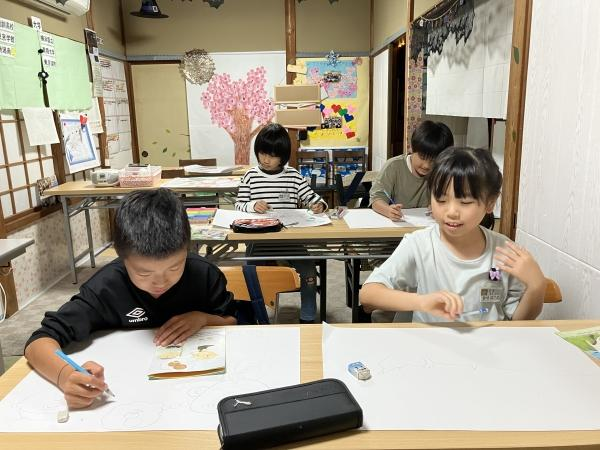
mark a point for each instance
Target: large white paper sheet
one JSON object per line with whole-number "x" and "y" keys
{"x": 40, "y": 126}
{"x": 291, "y": 218}
{"x": 486, "y": 379}
{"x": 204, "y": 182}
{"x": 198, "y": 168}
{"x": 367, "y": 218}
{"x": 258, "y": 358}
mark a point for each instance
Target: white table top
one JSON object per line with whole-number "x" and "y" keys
{"x": 11, "y": 248}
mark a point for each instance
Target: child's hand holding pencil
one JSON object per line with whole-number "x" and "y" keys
{"x": 394, "y": 211}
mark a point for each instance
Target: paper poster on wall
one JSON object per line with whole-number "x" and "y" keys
{"x": 80, "y": 151}
{"x": 340, "y": 81}
{"x": 40, "y": 126}
{"x": 209, "y": 140}
{"x": 345, "y": 110}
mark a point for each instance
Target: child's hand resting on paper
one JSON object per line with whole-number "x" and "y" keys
{"x": 261, "y": 207}
{"x": 178, "y": 328}
{"x": 442, "y": 304}
{"x": 81, "y": 389}
{"x": 394, "y": 212}
{"x": 317, "y": 208}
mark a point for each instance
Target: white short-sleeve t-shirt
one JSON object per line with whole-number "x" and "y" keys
{"x": 423, "y": 264}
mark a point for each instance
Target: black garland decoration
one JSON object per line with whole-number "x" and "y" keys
{"x": 429, "y": 32}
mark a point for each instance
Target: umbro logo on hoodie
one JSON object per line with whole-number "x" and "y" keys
{"x": 136, "y": 315}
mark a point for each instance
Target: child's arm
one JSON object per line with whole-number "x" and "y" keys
{"x": 518, "y": 262}
{"x": 243, "y": 201}
{"x": 393, "y": 211}
{"x": 79, "y": 389}
{"x": 311, "y": 198}
{"x": 441, "y": 303}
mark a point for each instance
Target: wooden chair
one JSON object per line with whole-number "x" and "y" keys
{"x": 273, "y": 281}
{"x": 553, "y": 294}
{"x": 202, "y": 162}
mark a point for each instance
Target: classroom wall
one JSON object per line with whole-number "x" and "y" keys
{"x": 389, "y": 18}
{"x": 559, "y": 200}
{"x": 237, "y": 25}
{"x": 107, "y": 24}
{"x": 68, "y": 26}
{"x": 342, "y": 26}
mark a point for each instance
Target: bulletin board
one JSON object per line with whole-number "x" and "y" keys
{"x": 65, "y": 61}
{"x": 20, "y": 86}
{"x": 346, "y": 109}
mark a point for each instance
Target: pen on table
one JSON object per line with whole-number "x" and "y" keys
{"x": 77, "y": 367}
{"x": 475, "y": 312}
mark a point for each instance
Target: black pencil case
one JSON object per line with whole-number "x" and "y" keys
{"x": 267, "y": 418}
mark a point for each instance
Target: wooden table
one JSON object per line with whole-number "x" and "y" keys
{"x": 311, "y": 369}
{"x": 81, "y": 196}
{"x": 334, "y": 241}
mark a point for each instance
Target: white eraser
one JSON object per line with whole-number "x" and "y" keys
{"x": 62, "y": 416}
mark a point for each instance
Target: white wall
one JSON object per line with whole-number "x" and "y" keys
{"x": 559, "y": 193}
{"x": 379, "y": 139}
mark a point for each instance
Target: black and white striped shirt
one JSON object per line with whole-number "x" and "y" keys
{"x": 283, "y": 190}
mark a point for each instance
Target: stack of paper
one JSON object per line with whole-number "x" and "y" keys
{"x": 197, "y": 168}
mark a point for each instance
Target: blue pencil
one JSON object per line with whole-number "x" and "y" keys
{"x": 76, "y": 366}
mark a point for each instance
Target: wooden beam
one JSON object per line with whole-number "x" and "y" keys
{"x": 515, "y": 115}
{"x": 6, "y": 277}
{"x": 410, "y": 14}
{"x": 290, "y": 38}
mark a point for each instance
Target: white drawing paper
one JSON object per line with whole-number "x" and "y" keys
{"x": 483, "y": 379}
{"x": 367, "y": 218}
{"x": 198, "y": 168}
{"x": 41, "y": 129}
{"x": 204, "y": 182}
{"x": 258, "y": 358}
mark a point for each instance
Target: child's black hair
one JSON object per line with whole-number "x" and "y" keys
{"x": 474, "y": 173}
{"x": 431, "y": 138}
{"x": 273, "y": 140}
{"x": 151, "y": 223}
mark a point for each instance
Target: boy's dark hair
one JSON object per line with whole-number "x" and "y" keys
{"x": 431, "y": 138}
{"x": 151, "y": 223}
{"x": 474, "y": 173}
{"x": 273, "y": 140}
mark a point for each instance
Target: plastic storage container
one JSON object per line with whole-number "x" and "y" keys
{"x": 139, "y": 176}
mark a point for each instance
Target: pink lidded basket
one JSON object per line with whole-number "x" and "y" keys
{"x": 139, "y": 176}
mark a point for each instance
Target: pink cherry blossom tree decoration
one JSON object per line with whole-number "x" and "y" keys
{"x": 236, "y": 104}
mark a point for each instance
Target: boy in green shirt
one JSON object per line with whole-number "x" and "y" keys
{"x": 401, "y": 181}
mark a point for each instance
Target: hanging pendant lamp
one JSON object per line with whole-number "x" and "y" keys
{"x": 149, "y": 10}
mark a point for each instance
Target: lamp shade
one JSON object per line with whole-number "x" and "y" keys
{"x": 150, "y": 10}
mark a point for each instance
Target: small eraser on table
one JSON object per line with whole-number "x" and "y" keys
{"x": 62, "y": 416}
{"x": 359, "y": 370}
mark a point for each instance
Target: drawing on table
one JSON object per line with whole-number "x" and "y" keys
{"x": 132, "y": 416}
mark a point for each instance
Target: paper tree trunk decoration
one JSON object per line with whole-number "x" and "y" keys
{"x": 237, "y": 105}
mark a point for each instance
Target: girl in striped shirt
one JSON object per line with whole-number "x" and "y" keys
{"x": 274, "y": 185}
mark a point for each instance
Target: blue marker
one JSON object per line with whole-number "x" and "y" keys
{"x": 475, "y": 312}
{"x": 391, "y": 200}
{"x": 76, "y": 366}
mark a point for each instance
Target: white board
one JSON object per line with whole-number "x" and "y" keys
{"x": 208, "y": 140}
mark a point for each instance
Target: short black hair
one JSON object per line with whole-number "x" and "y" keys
{"x": 151, "y": 223}
{"x": 274, "y": 140}
{"x": 431, "y": 138}
{"x": 474, "y": 173}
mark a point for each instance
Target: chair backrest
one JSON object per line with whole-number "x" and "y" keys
{"x": 553, "y": 294}
{"x": 273, "y": 281}
{"x": 202, "y": 162}
{"x": 172, "y": 173}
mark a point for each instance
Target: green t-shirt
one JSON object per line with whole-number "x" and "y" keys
{"x": 405, "y": 188}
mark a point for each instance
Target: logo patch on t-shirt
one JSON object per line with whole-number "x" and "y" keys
{"x": 137, "y": 314}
